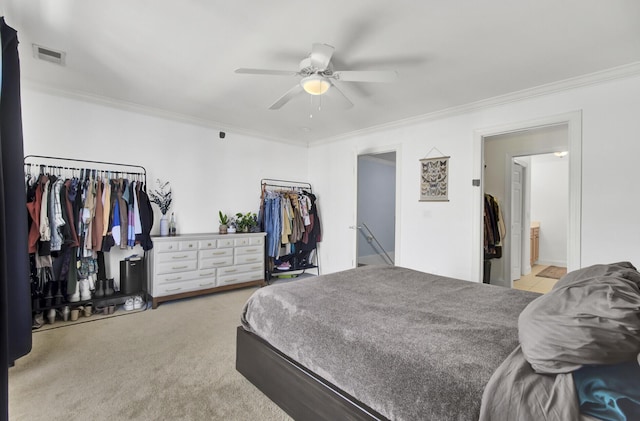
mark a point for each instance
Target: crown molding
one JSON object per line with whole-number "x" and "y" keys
{"x": 620, "y": 72}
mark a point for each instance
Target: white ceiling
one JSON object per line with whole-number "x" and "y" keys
{"x": 177, "y": 58}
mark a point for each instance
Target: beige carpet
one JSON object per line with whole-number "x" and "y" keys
{"x": 173, "y": 363}
{"x": 553, "y": 272}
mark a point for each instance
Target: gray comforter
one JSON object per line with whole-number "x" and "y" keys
{"x": 411, "y": 345}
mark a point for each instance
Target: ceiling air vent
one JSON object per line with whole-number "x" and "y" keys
{"x": 47, "y": 54}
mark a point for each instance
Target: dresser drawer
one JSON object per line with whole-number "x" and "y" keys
{"x": 207, "y": 244}
{"x": 248, "y": 258}
{"x": 257, "y": 241}
{"x": 225, "y": 242}
{"x": 188, "y": 245}
{"x": 244, "y": 241}
{"x": 237, "y": 269}
{"x": 179, "y": 256}
{"x": 174, "y": 267}
{"x": 239, "y": 277}
{"x": 170, "y": 278}
{"x": 161, "y": 246}
{"x": 248, "y": 250}
{"x": 180, "y": 287}
{"x": 216, "y": 262}
{"x": 208, "y": 254}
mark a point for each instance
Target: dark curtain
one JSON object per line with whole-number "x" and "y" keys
{"x": 15, "y": 295}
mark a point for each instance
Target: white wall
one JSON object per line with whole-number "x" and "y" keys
{"x": 436, "y": 237}
{"x": 549, "y": 201}
{"x": 207, "y": 173}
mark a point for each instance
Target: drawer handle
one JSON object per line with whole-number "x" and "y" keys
{"x": 170, "y": 247}
{"x": 179, "y": 257}
{"x": 256, "y": 267}
{"x": 230, "y": 280}
{"x": 190, "y": 245}
{"x": 253, "y": 259}
{"x": 207, "y": 284}
{"x": 173, "y": 289}
{"x": 206, "y": 274}
{"x": 209, "y": 244}
{"x": 179, "y": 267}
{"x": 215, "y": 253}
{"x": 230, "y": 270}
{"x": 251, "y": 250}
{"x": 174, "y": 279}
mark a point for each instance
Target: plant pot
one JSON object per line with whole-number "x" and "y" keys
{"x": 164, "y": 226}
{"x": 231, "y": 230}
{"x": 222, "y": 229}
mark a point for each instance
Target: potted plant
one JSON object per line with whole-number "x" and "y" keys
{"x": 224, "y": 221}
{"x": 162, "y": 197}
{"x": 245, "y": 222}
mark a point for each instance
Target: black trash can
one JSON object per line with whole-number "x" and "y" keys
{"x": 131, "y": 276}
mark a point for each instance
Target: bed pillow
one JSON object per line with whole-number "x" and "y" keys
{"x": 622, "y": 269}
{"x": 591, "y": 317}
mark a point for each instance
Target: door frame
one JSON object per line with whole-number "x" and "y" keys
{"x": 371, "y": 150}
{"x": 574, "y": 122}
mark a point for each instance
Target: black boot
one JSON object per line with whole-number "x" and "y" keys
{"x": 57, "y": 293}
{"x": 99, "y": 292}
{"x": 108, "y": 287}
{"x": 48, "y": 297}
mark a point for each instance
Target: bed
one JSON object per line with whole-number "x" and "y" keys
{"x": 391, "y": 343}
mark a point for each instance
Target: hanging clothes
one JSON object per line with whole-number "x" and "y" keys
{"x": 494, "y": 228}
{"x": 290, "y": 219}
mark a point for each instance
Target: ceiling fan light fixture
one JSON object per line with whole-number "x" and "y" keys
{"x": 315, "y": 85}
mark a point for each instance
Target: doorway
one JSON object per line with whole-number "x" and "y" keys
{"x": 495, "y": 150}
{"x": 376, "y": 209}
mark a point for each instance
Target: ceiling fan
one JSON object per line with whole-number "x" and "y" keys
{"x": 318, "y": 76}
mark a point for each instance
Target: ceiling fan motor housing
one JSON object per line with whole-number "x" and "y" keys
{"x": 308, "y": 69}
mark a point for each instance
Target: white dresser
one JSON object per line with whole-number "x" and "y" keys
{"x": 195, "y": 264}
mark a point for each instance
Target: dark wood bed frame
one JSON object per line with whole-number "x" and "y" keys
{"x": 299, "y": 392}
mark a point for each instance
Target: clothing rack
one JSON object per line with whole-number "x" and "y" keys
{"x": 52, "y": 289}
{"x": 105, "y": 167}
{"x": 310, "y": 260}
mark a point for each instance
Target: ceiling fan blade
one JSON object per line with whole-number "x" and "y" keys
{"x": 366, "y": 76}
{"x": 286, "y": 97}
{"x": 321, "y": 55}
{"x": 266, "y": 72}
{"x": 346, "y": 102}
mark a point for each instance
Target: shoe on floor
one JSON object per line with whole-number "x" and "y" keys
{"x": 137, "y": 302}
{"x": 129, "y": 305}
{"x": 51, "y": 316}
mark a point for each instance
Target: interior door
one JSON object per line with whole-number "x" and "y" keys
{"x": 517, "y": 172}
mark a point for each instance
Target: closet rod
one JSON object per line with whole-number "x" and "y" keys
{"x": 144, "y": 171}
{"x": 291, "y": 184}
